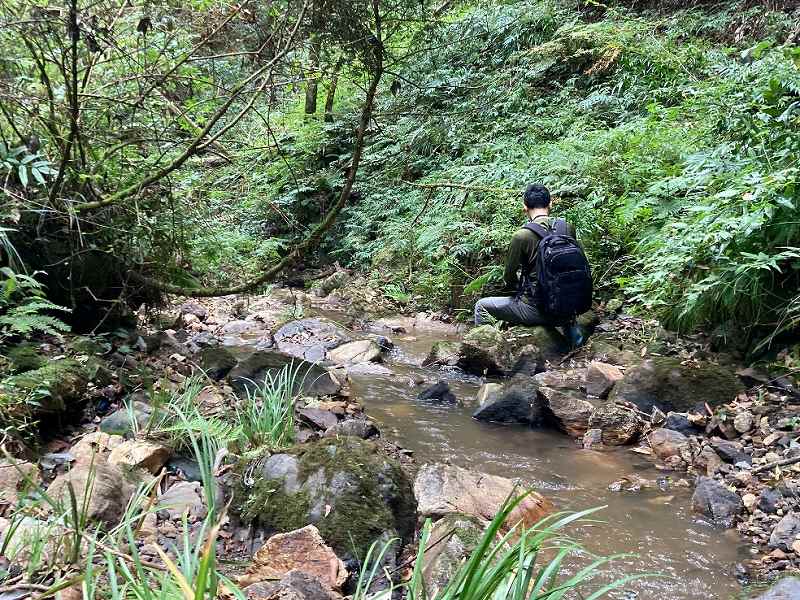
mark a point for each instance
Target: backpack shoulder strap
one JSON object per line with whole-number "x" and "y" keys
{"x": 560, "y": 227}
{"x": 539, "y": 230}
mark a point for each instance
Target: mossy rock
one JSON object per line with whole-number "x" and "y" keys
{"x": 670, "y": 385}
{"x": 443, "y": 353}
{"x": 53, "y": 387}
{"x": 487, "y": 350}
{"x": 87, "y": 345}
{"x": 25, "y": 357}
{"x": 456, "y": 536}
{"x": 347, "y": 487}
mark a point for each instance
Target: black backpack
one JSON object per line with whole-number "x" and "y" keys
{"x": 563, "y": 275}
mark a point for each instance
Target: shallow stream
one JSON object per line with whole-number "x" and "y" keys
{"x": 657, "y": 526}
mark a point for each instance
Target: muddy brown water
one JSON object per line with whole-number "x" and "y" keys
{"x": 696, "y": 560}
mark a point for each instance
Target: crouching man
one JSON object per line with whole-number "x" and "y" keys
{"x": 547, "y": 273}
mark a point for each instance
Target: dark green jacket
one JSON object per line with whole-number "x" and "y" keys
{"x": 524, "y": 244}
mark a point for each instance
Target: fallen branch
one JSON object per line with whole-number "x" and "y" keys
{"x": 778, "y": 463}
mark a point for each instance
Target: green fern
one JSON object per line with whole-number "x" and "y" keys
{"x": 24, "y": 309}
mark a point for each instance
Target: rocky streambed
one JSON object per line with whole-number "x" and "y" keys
{"x": 406, "y": 418}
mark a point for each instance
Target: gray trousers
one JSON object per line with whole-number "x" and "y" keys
{"x": 508, "y": 309}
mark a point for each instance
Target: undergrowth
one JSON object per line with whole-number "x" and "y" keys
{"x": 672, "y": 146}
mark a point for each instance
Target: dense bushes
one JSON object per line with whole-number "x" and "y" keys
{"x": 675, "y": 157}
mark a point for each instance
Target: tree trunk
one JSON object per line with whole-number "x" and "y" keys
{"x": 331, "y": 97}
{"x": 313, "y": 77}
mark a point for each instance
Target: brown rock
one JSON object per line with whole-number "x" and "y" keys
{"x": 107, "y": 488}
{"x": 601, "y": 377}
{"x": 619, "y": 425}
{"x": 709, "y": 461}
{"x": 749, "y": 501}
{"x": 570, "y": 412}
{"x": 15, "y": 477}
{"x": 299, "y": 550}
{"x": 321, "y": 419}
{"x": 445, "y": 489}
{"x": 95, "y": 447}
{"x": 295, "y": 585}
{"x": 139, "y": 455}
{"x": 666, "y": 443}
{"x": 353, "y": 353}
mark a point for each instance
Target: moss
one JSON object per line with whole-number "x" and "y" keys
{"x": 267, "y": 503}
{"x": 25, "y": 357}
{"x": 54, "y": 386}
{"x": 86, "y": 345}
{"x": 368, "y": 494}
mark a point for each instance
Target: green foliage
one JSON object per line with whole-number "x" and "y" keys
{"x": 22, "y": 165}
{"x": 520, "y": 563}
{"x": 24, "y": 308}
{"x": 266, "y": 417}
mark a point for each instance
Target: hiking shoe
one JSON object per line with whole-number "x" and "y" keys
{"x": 576, "y": 336}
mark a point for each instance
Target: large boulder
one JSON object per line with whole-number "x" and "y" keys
{"x": 140, "y": 454}
{"x": 618, "y": 425}
{"x": 350, "y": 490}
{"x": 716, "y": 502}
{"x": 667, "y": 442}
{"x": 445, "y": 489}
{"x": 487, "y": 350}
{"x": 310, "y": 379}
{"x": 301, "y": 550}
{"x": 310, "y": 339}
{"x": 601, "y": 377}
{"x": 515, "y": 402}
{"x": 670, "y": 385}
{"x": 568, "y": 411}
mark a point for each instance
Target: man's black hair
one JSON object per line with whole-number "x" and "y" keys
{"x": 536, "y": 196}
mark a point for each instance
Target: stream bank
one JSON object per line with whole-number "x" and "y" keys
{"x": 376, "y": 388}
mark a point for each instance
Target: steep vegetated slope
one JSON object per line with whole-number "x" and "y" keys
{"x": 670, "y": 138}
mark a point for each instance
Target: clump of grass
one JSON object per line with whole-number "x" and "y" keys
{"x": 266, "y": 417}
{"x": 526, "y": 563}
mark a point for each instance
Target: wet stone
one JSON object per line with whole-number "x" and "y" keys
{"x": 360, "y": 428}
{"x": 730, "y": 452}
{"x": 439, "y": 392}
{"x": 716, "y": 502}
{"x": 679, "y": 422}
